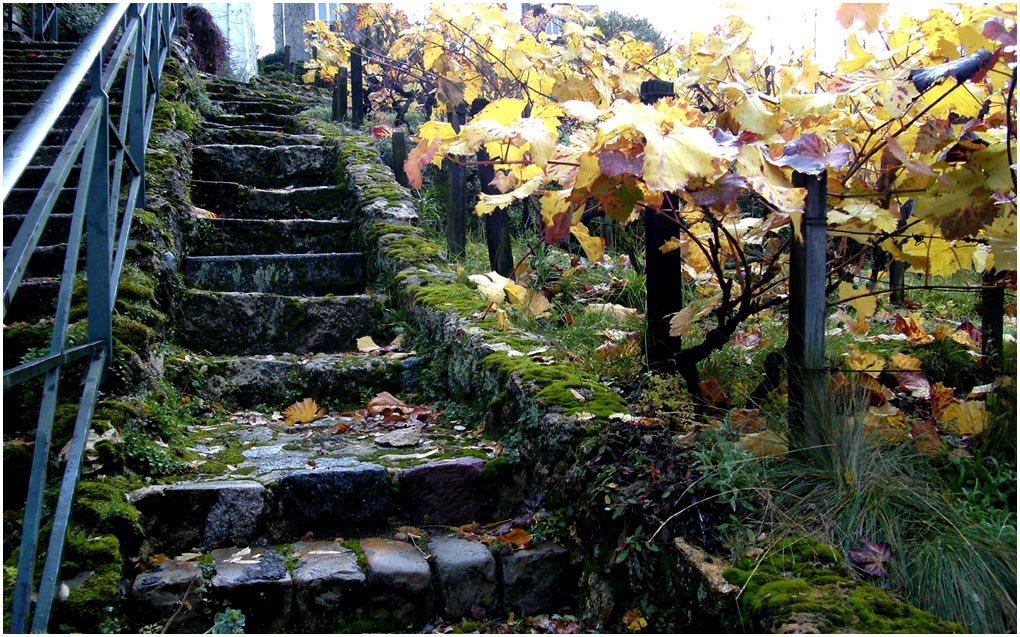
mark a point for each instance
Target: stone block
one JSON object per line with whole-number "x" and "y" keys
{"x": 329, "y": 587}
{"x": 163, "y": 592}
{"x": 466, "y": 573}
{"x": 537, "y": 580}
{"x": 444, "y": 492}
{"x": 255, "y": 581}
{"x": 181, "y": 517}
{"x": 335, "y": 502}
{"x": 399, "y": 582}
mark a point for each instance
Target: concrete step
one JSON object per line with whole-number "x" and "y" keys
{"x": 292, "y": 274}
{"x": 261, "y": 166}
{"x": 228, "y": 199}
{"x": 397, "y": 584}
{"x": 57, "y": 228}
{"x": 36, "y": 299}
{"x": 223, "y": 236}
{"x": 242, "y": 323}
{"x": 244, "y": 382}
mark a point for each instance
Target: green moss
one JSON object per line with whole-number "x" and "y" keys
{"x": 801, "y": 577}
{"x": 458, "y": 298}
{"x": 355, "y": 545}
{"x": 101, "y": 504}
{"x": 89, "y": 603}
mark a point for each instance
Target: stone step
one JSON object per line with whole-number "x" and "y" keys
{"x": 223, "y": 236}
{"x": 21, "y": 199}
{"x": 14, "y": 107}
{"x": 399, "y": 585}
{"x": 228, "y": 199}
{"x": 33, "y": 69}
{"x": 36, "y": 299}
{"x": 286, "y": 123}
{"x": 57, "y": 228}
{"x": 64, "y": 48}
{"x": 34, "y": 176}
{"x": 255, "y": 106}
{"x": 292, "y": 274}
{"x": 48, "y": 260}
{"x": 261, "y": 166}
{"x": 242, "y": 323}
{"x": 57, "y": 136}
{"x": 214, "y": 134}
{"x": 37, "y": 85}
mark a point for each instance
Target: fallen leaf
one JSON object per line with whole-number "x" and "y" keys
{"x": 913, "y": 329}
{"x": 634, "y": 621}
{"x": 366, "y": 344}
{"x": 304, "y": 411}
{"x": 518, "y": 538}
{"x": 617, "y": 311}
{"x": 714, "y": 392}
{"x": 384, "y": 403}
{"x": 966, "y": 418}
{"x": 871, "y": 557}
{"x": 926, "y": 437}
{"x": 764, "y": 444}
{"x": 578, "y": 395}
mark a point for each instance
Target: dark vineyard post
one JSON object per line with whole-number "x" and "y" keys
{"x": 993, "y": 299}
{"x": 664, "y": 295}
{"x": 399, "y": 157}
{"x": 497, "y": 222}
{"x": 287, "y": 68}
{"x": 806, "y": 344}
{"x": 897, "y": 269}
{"x": 456, "y": 234}
{"x": 357, "y": 88}
{"x": 340, "y": 96}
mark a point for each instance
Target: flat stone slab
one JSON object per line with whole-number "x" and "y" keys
{"x": 335, "y": 502}
{"x": 257, "y": 582}
{"x": 230, "y": 199}
{"x": 291, "y": 274}
{"x": 537, "y": 580}
{"x": 223, "y": 236}
{"x": 466, "y": 574}
{"x": 444, "y": 492}
{"x": 160, "y": 593}
{"x": 262, "y": 166}
{"x": 399, "y": 581}
{"x": 329, "y": 586}
{"x": 181, "y": 517}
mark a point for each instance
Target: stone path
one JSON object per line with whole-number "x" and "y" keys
{"x": 312, "y": 527}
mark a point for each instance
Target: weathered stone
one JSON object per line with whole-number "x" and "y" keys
{"x": 260, "y": 166}
{"x": 399, "y": 581}
{"x": 328, "y": 586}
{"x": 171, "y": 590}
{"x": 335, "y": 502}
{"x": 247, "y": 202}
{"x": 444, "y": 492}
{"x": 180, "y": 517}
{"x": 406, "y": 437}
{"x": 222, "y": 236}
{"x": 255, "y": 323}
{"x": 256, "y": 582}
{"x": 292, "y": 274}
{"x": 467, "y": 577}
{"x": 536, "y": 580}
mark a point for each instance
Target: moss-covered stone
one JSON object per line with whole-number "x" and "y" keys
{"x": 802, "y": 585}
{"x": 98, "y": 560}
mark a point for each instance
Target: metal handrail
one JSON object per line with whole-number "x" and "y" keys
{"x": 110, "y": 186}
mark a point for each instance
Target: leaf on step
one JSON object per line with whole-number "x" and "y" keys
{"x": 517, "y": 538}
{"x": 871, "y": 557}
{"x": 366, "y": 344}
{"x": 386, "y": 404}
{"x": 304, "y": 411}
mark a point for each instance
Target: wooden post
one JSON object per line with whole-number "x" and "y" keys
{"x": 357, "y": 88}
{"x": 993, "y": 297}
{"x": 663, "y": 272}
{"x": 287, "y": 68}
{"x": 497, "y": 222}
{"x": 340, "y": 95}
{"x": 456, "y": 234}
{"x": 399, "y": 156}
{"x": 806, "y": 344}
{"x": 897, "y": 269}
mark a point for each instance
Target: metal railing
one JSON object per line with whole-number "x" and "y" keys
{"x": 111, "y": 154}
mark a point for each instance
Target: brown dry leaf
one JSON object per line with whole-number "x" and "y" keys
{"x": 158, "y": 559}
{"x": 746, "y": 419}
{"x": 385, "y": 403}
{"x": 941, "y": 398}
{"x": 517, "y": 538}
{"x": 905, "y": 362}
{"x": 887, "y": 421}
{"x": 926, "y": 437}
{"x": 304, "y": 411}
{"x": 714, "y": 393}
{"x": 913, "y": 328}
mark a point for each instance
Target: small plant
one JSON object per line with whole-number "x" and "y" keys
{"x": 229, "y": 622}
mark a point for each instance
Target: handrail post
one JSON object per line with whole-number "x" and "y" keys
{"x": 99, "y": 243}
{"x": 139, "y": 87}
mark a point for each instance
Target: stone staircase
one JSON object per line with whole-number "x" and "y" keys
{"x": 327, "y": 525}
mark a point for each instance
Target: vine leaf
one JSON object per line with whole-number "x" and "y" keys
{"x": 807, "y": 154}
{"x": 303, "y": 411}
{"x": 872, "y": 557}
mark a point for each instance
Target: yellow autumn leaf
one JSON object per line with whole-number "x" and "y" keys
{"x": 764, "y": 444}
{"x": 864, "y": 361}
{"x": 865, "y": 305}
{"x": 673, "y": 159}
{"x": 681, "y": 323}
{"x": 966, "y": 418}
{"x": 366, "y": 344}
{"x": 492, "y": 286}
{"x": 309, "y": 77}
{"x": 905, "y": 362}
{"x": 594, "y": 247}
{"x": 538, "y": 305}
{"x": 304, "y": 411}
{"x": 810, "y": 104}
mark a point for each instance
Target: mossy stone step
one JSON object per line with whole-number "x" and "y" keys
{"x": 261, "y": 166}
{"x": 329, "y": 586}
{"x": 242, "y": 323}
{"x": 291, "y": 274}
{"x": 36, "y": 299}
{"x": 48, "y": 260}
{"x": 212, "y": 134}
{"x": 223, "y": 236}
{"x": 267, "y": 106}
{"x": 286, "y": 123}
{"x": 34, "y": 176}
{"x": 228, "y": 199}
{"x": 33, "y": 69}
{"x": 242, "y": 382}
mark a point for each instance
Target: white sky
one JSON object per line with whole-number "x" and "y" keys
{"x": 781, "y": 26}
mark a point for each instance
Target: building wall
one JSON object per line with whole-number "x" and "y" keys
{"x": 237, "y": 23}
{"x": 288, "y": 27}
